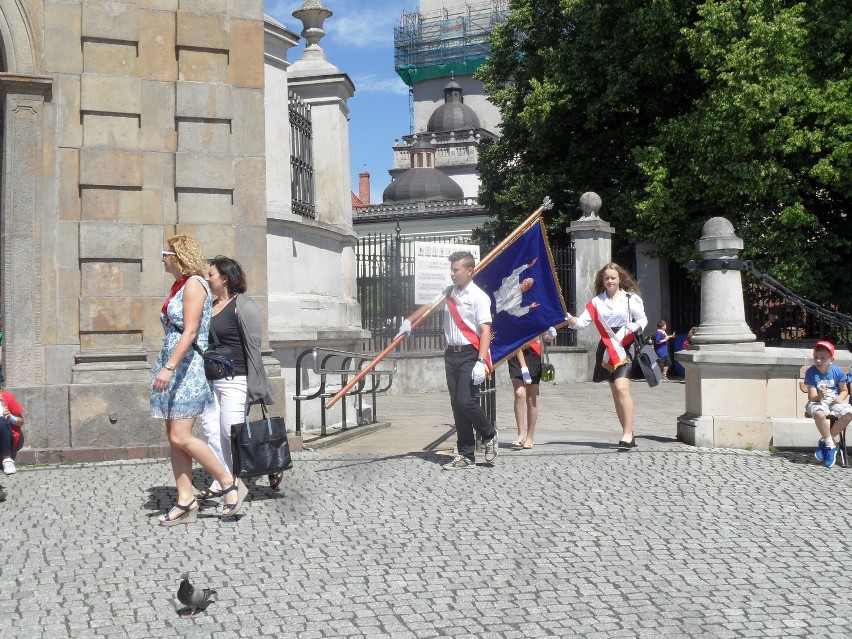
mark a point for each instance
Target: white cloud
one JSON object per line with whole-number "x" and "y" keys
{"x": 375, "y": 84}
{"x": 364, "y": 24}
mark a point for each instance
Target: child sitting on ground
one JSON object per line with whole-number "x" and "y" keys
{"x": 827, "y": 390}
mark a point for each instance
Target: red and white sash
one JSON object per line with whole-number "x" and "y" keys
{"x": 465, "y": 328}
{"x": 614, "y": 354}
{"x": 535, "y": 345}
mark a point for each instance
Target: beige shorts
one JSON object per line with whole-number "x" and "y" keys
{"x": 838, "y": 409}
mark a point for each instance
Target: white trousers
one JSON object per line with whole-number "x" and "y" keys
{"x": 229, "y": 408}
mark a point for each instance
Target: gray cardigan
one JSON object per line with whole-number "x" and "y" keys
{"x": 258, "y": 387}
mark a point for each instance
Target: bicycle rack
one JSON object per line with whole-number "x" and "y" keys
{"x": 343, "y": 364}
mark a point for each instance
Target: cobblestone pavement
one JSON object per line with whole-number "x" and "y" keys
{"x": 564, "y": 541}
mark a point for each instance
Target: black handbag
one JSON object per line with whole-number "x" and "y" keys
{"x": 218, "y": 359}
{"x": 260, "y": 447}
{"x": 646, "y": 356}
{"x": 218, "y": 362}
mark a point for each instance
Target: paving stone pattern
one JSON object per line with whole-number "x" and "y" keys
{"x": 562, "y": 542}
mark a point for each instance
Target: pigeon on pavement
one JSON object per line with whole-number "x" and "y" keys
{"x": 194, "y": 598}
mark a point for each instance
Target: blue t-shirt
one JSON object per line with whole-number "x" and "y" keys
{"x": 830, "y": 380}
{"x": 660, "y": 346}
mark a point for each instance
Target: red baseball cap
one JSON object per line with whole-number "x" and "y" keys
{"x": 824, "y": 343}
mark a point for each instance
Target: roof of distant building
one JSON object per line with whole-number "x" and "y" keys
{"x": 454, "y": 114}
{"x": 422, "y": 184}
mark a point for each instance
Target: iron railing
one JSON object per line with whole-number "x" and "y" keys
{"x": 385, "y": 284}
{"x": 301, "y": 157}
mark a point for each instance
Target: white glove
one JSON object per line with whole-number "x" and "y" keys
{"x": 551, "y": 334}
{"x": 525, "y": 373}
{"x": 404, "y": 329}
{"x": 477, "y": 375}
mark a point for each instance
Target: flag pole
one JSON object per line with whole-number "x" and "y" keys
{"x": 421, "y": 313}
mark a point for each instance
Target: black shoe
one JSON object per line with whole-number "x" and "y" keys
{"x": 630, "y": 444}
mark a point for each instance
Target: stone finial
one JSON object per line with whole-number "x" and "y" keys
{"x": 590, "y": 204}
{"x": 312, "y": 15}
{"x": 722, "y": 305}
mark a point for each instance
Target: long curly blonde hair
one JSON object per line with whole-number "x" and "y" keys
{"x": 189, "y": 255}
{"x": 625, "y": 279}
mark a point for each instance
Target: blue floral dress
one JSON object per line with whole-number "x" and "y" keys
{"x": 188, "y": 394}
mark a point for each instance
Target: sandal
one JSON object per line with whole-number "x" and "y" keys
{"x": 528, "y": 445}
{"x": 229, "y": 510}
{"x": 188, "y": 515}
{"x": 275, "y": 480}
{"x": 208, "y": 493}
{"x": 518, "y": 443}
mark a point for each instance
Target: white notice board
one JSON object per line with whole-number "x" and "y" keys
{"x": 432, "y": 268}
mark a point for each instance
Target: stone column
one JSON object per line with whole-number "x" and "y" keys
{"x": 325, "y": 89}
{"x": 652, "y": 273}
{"x": 23, "y": 115}
{"x": 592, "y": 249}
{"x": 277, "y": 41}
{"x": 731, "y": 398}
{"x": 312, "y": 289}
{"x": 722, "y": 308}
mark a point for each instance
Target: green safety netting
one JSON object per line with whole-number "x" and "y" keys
{"x": 412, "y": 74}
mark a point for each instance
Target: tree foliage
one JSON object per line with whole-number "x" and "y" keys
{"x": 675, "y": 112}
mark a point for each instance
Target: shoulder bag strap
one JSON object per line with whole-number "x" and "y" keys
{"x": 195, "y": 346}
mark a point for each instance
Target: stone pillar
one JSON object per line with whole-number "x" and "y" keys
{"x": 312, "y": 291}
{"x": 23, "y": 117}
{"x": 652, "y": 273}
{"x": 277, "y": 41}
{"x": 722, "y": 309}
{"x": 731, "y": 396}
{"x": 326, "y": 89}
{"x": 592, "y": 249}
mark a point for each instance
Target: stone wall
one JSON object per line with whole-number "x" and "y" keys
{"x": 153, "y": 124}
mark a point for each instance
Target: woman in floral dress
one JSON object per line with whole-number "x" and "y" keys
{"x": 179, "y": 390}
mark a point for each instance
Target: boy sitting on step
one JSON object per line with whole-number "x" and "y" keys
{"x": 827, "y": 392}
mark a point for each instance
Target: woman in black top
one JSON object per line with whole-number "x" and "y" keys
{"x": 237, "y": 324}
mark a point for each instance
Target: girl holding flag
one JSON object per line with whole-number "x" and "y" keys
{"x": 617, "y": 311}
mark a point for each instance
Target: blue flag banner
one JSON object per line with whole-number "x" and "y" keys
{"x": 526, "y": 298}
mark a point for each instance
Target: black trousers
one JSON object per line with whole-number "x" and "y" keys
{"x": 467, "y": 413}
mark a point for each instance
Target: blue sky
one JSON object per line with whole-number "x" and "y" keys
{"x": 359, "y": 41}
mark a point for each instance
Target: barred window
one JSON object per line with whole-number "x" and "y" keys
{"x": 301, "y": 157}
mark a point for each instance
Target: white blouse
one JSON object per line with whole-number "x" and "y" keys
{"x": 614, "y": 311}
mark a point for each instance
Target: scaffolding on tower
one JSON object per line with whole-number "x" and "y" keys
{"x": 446, "y": 42}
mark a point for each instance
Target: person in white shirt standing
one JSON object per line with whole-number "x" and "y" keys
{"x": 467, "y": 328}
{"x": 617, "y": 311}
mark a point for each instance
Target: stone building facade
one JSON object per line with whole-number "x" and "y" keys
{"x": 123, "y": 124}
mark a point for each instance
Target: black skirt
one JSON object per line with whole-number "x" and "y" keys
{"x": 533, "y": 364}
{"x": 601, "y": 374}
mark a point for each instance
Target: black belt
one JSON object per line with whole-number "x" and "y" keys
{"x": 459, "y": 349}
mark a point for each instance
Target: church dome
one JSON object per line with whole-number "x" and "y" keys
{"x": 422, "y": 185}
{"x": 454, "y": 114}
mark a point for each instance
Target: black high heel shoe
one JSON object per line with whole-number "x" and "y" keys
{"x": 229, "y": 510}
{"x": 188, "y": 515}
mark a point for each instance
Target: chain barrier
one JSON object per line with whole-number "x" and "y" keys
{"x": 771, "y": 283}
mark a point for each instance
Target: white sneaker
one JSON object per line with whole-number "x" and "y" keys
{"x": 9, "y": 466}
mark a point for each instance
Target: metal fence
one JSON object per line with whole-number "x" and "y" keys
{"x": 385, "y": 281}
{"x": 774, "y": 316}
{"x": 301, "y": 157}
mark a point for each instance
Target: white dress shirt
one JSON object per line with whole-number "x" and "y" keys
{"x": 614, "y": 311}
{"x": 474, "y": 307}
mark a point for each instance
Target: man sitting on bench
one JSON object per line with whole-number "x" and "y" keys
{"x": 827, "y": 392}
